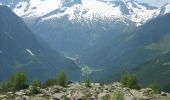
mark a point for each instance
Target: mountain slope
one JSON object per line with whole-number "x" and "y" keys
{"x": 82, "y": 24}
{"x": 156, "y": 70}
{"x": 20, "y": 49}
{"x": 130, "y": 50}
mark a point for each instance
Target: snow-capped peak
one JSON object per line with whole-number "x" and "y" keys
{"x": 165, "y": 9}
{"x": 88, "y": 10}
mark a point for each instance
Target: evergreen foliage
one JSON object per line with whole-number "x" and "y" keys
{"x": 62, "y": 79}
{"x": 130, "y": 81}
{"x": 154, "y": 86}
{"x": 35, "y": 85}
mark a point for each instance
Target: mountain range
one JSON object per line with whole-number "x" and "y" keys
{"x": 82, "y": 24}
{"x": 105, "y": 37}
{"x": 21, "y": 50}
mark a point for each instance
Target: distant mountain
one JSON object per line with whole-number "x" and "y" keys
{"x": 130, "y": 50}
{"x": 21, "y": 50}
{"x": 87, "y": 10}
{"x": 111, "y": 36}
{"x": 82, "y": 24}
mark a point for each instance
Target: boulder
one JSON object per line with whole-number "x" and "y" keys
{"x": 18, "y": 98}
{"x": 20, "y": 93}
{"x": 146, "y": 91}
{"x": 58, "y": 96}
{"x": 103, "y": 96}
{"x": 56, "y": 89}
{"x": 77, "y": 96}
{"x": 25, "y": 97}
{"x": 163, "y": 94}
{"x": 2, "y": 96}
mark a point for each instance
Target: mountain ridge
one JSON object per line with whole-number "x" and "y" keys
{"x": 78, "y": 10}
{"x": 21, "y": 50}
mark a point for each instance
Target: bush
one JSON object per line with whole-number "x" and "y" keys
{"x": 88, "y": 83}
{"x": 130, "y": 81}
{"x": 34, "y": 87}
{"x": 18, "y": 81}
{"x": 154, "y": 86}
{"x": 119, "y": 95}
{"x": 50, "y": 82}
{"x": 62, "y": 79}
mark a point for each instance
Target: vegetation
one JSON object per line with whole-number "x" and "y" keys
{"x": 62, "y": 79}
{"x": 119, "y": 95}
{"x": 88, "y": 82}
{"x": 154, "y": 86}
{"x": 50, "y": 82}
{"x": 130, "y": 81}
{"x": 35, "y": 87}
{"x": 18, "y": 81}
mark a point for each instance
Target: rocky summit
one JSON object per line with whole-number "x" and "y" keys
{"x": 79, "y": 91}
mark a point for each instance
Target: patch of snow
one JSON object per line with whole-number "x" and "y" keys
{"x": 141, "y": 14}
{"x": 20, "y": 8}
{"x": 102, "y": 9}
{"x": 88, "y": 10}
{"x": 166, "y": 64}
{"x": 167, "y": 9}
{"x": 36, "y": 8}
{"x": 30, "y": 52}
{"x": 86, "y": 70}
{"x": 71, "y": 58}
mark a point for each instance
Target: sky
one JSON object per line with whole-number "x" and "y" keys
{"x": 155, "y": 2}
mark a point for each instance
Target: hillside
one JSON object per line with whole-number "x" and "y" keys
{"x": 21, "y": 50}
{"x": 132, "y": 49}
{"x": 156, "y": 70}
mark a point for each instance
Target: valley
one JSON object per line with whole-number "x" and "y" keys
{"x": 99, "y": 39}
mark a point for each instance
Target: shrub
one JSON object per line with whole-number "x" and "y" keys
{"x": 50, "y": 82}
{"x": 119, "y": 95}
{"x": 130, "y": 81}
{"x": 34, "y": 87}
{"x": 154, "y": 86}
{"x": 62, "y": 79}
{"x": 18, "y": 81}
{"x": 88, "y": 83}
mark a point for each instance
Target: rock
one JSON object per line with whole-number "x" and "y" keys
{"x": 58, "y": 96}
{"x": 9, "y": 93}
{"x": 41, "y": 95}
{"x": 104, "y": 96}
{"x": 25, "y": 97}
{"x": 77, "y": 96}
{"x": 138, "y": 95}
{"x": 56, "y": 89}
{"x": 18, "y": 98}
{"x": 105, "y": 91}
{"x": 129, "y": 97}
{"x": 93, "y": 97}
{"x": 68, "y": 96}
{"x": 146, "y": 91}
{"x": 20, "y": 93}
{"x": 163, "y": 94}
{"x": 2, "y": 96}
{"x": 117, "y": 84}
